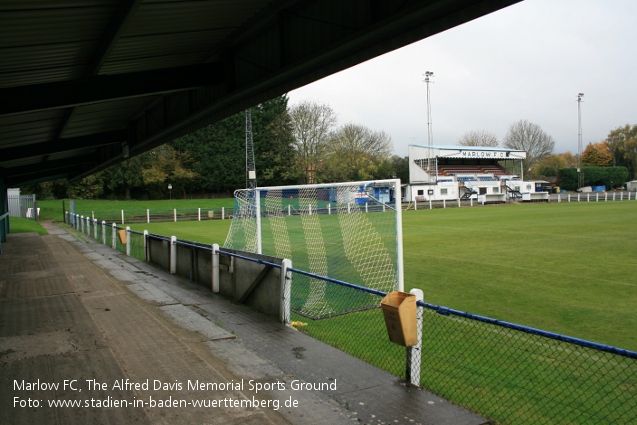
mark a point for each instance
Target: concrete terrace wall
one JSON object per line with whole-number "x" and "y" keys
{"x": 237, "y": 275}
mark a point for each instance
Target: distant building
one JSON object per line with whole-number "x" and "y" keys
{"x": 466, "y": 172}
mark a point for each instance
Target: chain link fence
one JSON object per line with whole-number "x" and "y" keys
{"x": 508, "y": 373}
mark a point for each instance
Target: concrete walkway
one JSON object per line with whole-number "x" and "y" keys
{"x": 82, "y": 323}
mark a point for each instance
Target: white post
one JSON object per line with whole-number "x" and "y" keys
{"x": 199, "y": 213}
{"x": 122, "y": 216}
{"x": 596, "y": 196}
{"x": 384, "y": 207}
{"x": 95, "y": 228}
{"x": 414, "y": 353}
{"x": 104, "y": 232}
{"x": 128, "y": 240}
{"x": 82, "y": 218}
{"x": 444, "y": 203}
{"x": 568, "y": 196}
{"x": 223, "y": 213}
{"x": 145, "y": 245}
{"x": 93, "y": 215}
{"x": 257, "y": 200}
{"x": 286, "y": 290}
{"x": 148, "y": 216}
{"x": 366, "y": 209}
{"x": 470, "y": 201}
{"x": 621, "y": 196}
{"x": 348, "y": 208}
{"x": 329, "y": 209}
{"x": 309, "y": 209}
{"x": 215, "y": 268}
{"x": 415, "y": 204}
{"x": 173, "y": 254}
{"x": 430, "y": 203}
{"x": 458, "y": 202}
{"x": 613, "y": 196}
{"x": 399, "y": 236}
{"x": 588, "y": 197}
{"x": 175, "y": 214}
{"x": 114, "y": 236}
{"x": 578, "y": 197}
{"x": 559, "y": 198}
{"x": 289, "y": 209}
{"x": 606, "y": 197}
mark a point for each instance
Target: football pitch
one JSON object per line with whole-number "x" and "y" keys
{"x": 567, "y": 268}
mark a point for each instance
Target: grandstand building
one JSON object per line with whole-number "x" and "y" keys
{"x": 468, "y": 172}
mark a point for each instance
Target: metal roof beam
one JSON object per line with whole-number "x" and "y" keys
{"x": 59, "y": 166}
{"x": 108, "y": 87}
{"x": 61, "y": 145}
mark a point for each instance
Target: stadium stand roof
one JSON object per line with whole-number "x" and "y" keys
{"x": 87, "y": 83}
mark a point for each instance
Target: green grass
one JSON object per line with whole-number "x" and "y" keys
{"x": 24, "y": 225}
{"x": 53, "y": 209}
{"x": 565, "y": 268}
{"x": 209, "y": 231}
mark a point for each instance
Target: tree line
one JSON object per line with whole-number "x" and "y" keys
{"x": 292, "y": 145}
{"x": 303, "y": 144}
{"x": 618, "y": 150}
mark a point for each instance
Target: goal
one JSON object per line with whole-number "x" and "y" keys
{"x": 346, "y": 231}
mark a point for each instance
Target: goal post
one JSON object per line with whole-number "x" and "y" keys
{"x": 347, "y": 231}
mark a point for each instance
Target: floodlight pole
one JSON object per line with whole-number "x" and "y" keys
{"x": 429, "y": 74}
{"x": 580, "y": 172}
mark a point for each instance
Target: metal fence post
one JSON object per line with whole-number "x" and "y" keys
{"x": 173, "y": 254}
{"x": 122, "y": 216}
{"x": 82, "y": 219}
{"x": 104, "y": 232}
{"x": 148, "y": 216}
{"x": 215, "y": 268}
{"x": 286, "y": 286}
{"x": 414, "y": 353}
{"x": 128, "y": 240}
{"x": 145, "y": 245}
{"x": 95, "y": 228}
{"x": 114, "y": 241}
{"x": 175, "y": 214}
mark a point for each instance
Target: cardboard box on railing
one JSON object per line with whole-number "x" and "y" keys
{"x": 122, "y": 236}
{"x": 399, "y": 310}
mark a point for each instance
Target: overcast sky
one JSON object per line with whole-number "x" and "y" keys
{"x": 527, "y": 61}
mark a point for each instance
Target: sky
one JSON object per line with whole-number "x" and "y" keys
{"x": 527, "y": 61}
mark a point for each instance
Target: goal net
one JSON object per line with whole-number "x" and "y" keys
{"x": 345, "y": 231}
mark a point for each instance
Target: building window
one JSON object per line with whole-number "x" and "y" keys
{"x": 443, "y": 191}
{"x": 496, "y": 190}
{"x": 482, "y": 190}
{"x": 421, "y": 192}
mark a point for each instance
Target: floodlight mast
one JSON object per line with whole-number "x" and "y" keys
{"x": 251, "y": 171}
{"x": 428, "y": 75}
{"x": 580, "y": 172}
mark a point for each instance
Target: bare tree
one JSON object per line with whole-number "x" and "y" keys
{"x": 356, "y": 152}
{"x": 529, "y": 137}
{"x": 312, "y": 125}
{"x": 479, "y": 138}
